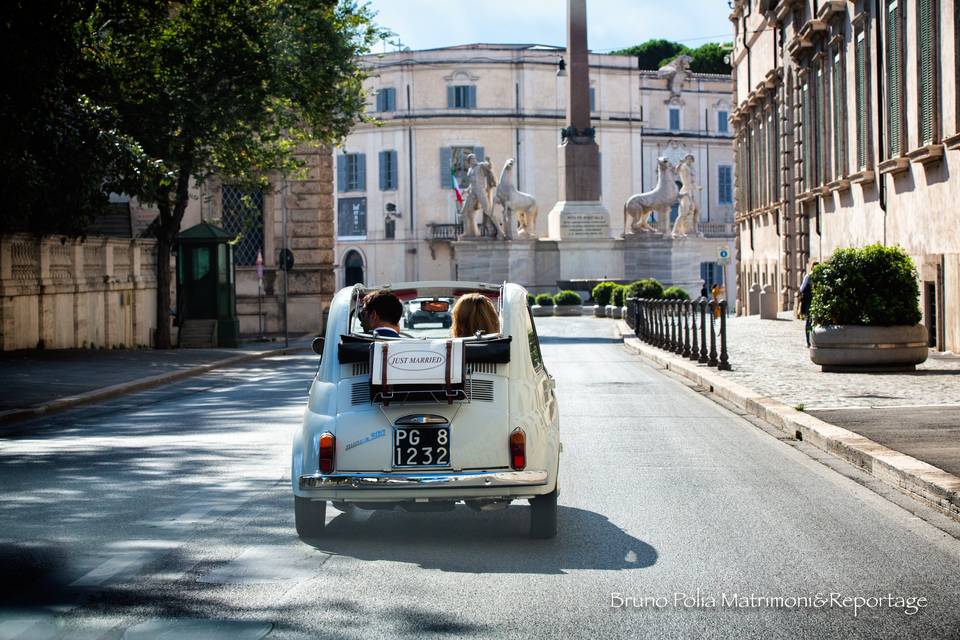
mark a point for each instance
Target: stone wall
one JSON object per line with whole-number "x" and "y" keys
{"x": 60, "y": 293}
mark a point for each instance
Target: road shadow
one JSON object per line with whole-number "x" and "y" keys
{"x": 578, "y": 340}
{"x": 493, "y": 542}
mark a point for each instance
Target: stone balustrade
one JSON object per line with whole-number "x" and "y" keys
{"x": 58, "y": 292}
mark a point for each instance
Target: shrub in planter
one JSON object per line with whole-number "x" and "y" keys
{"x": 544, "y": 300}
{"x": 567, "y": 299}
{"x": 616, "y": 297}
{"x": 865, "y": 308}
{"x": 531, "y": 300}
{"x": 602, "y": 293}
{"x": 646, "y": 288}
{"x": 568, "y": 304}
{"x": 675, "y": 293}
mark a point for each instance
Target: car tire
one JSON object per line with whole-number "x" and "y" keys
{"x": 311, "y": 517}
{"x": 543, "y": 516}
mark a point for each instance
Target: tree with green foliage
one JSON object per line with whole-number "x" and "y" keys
{"x": 654, "y": 54}
{"x": 651, "y": 53}
{"x": 225, "y": 87}
{"x": 709, "y": 58}
{"x": 61, "y": 153}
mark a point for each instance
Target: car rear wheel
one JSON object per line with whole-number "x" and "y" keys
{"x": 543, "y": 516}
{"x": 310, "y": 516}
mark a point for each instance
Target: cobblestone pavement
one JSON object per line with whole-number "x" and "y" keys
{"x": 770, "y": 357}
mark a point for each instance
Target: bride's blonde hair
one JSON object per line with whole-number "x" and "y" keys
{"x": 474, "y": 312}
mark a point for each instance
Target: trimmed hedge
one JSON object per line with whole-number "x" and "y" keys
{"x": 602, "y": 292}
{"x": 617, "y": 296}
{"x": 675, "y": 293}
{"x": 872, "y": 286}
{"x": 531, "y": 300}
{"x": 646, "y": 288}
{"x": 544, "y": 300}
{"x": 567, "y": 299}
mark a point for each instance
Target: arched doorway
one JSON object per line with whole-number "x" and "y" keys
{"x": 352, "y": 269}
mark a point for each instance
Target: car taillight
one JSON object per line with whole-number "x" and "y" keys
{"x": 518, "y": 449}
{"x": 328, "y": 448}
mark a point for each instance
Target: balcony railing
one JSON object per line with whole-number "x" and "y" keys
{"x": 716, "y": 229}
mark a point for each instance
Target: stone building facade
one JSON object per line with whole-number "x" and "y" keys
{"x": 300, "y": 210}
{"x": 847, "y": 126}
{"x": 396, "y": 208}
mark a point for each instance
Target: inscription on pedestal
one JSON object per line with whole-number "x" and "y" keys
{"x": 584, "y": 225}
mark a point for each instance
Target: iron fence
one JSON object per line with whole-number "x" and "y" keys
{"x": 684, "y": 327}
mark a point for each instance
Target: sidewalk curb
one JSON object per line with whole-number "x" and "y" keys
{"x": 13, "y": 416}
{"x": 914, "y": 477}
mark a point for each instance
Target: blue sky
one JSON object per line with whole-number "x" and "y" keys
{"x": 612, "y": 24}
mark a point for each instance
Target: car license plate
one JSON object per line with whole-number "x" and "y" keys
{"x": 421, "y": 446}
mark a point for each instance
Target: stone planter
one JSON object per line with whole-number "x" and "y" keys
{"x": 567, "y": 310}
{"x": 616, "y": 312}
{"x": 608, "y": 311}
{"x": 858, "y": 348}
{"x": 623, "y": 312}
{"x": 539, "y": 311}
{"x": 599, "y": 312}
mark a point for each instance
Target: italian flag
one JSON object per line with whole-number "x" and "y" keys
{"x": 456, "y": 187}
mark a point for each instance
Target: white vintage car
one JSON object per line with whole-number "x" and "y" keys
{"x": 424, "y": 421}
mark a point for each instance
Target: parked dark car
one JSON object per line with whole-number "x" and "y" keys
{"x": 436, "y": 311}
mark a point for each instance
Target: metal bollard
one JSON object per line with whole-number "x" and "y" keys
{"x": 672, "y": 307}
{"x": 724, "y": 356}
{"x": 637, "y": 328}
{"x": 703, "y": 359}
{"x": 712, "y": 362}
{"x": 685, "y": 305}
{"x": 678, "y": 313}
{"x": 660, "y": 324}
{"x": 694, "y": 349}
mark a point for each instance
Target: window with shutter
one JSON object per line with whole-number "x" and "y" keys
{"x": 674, "y": 119}
{"x": 822, "y": 126}
{"x": 773, "y": 159}
{"x": 351, "y": 172}
{"x": 462, "y": 96}
{"x": 860, "y": 71}
{"x": 762, "y": 164}
{"x": 724, "y": 185}
{"x": 839, "y": 119}
{"x": 593, "y": 99}
{"x": 723, "y": 122}
{"x": 926, "y": 69}
{"x": 806, "y": 123}
{"x": 894, "y": 46}
{"x": 388, "y": 170}
{"x": 387, "y": 100}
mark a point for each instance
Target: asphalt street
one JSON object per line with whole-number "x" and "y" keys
{"x": 168, "y": 513}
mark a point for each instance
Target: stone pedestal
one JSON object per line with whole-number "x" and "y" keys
{"x": 532, "y": 263}
{"x": 573, "y": 220}
{"x": 671, "y": 261}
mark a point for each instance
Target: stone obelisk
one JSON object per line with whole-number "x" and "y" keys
{"x": 578, "y": 215}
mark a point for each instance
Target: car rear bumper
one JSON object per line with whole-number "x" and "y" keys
{"x": 417, "y": 481}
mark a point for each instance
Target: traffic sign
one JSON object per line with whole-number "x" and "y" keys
{"x": 723, "y": 255}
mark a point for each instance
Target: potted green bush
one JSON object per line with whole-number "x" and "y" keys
{"x": 568, "y": 303}
{"x": 675, "y": 293}
{"x": 865, "y": 311}
{"x": 543, "y": 306}
{"x": 616, "y": 301}
{"x": 647, "y": 288}
{"x": 601, "y": 297}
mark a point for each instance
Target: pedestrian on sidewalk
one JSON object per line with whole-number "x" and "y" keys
{"x": 806, "y": 296}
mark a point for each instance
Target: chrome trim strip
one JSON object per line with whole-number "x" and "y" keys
{"x": 466, "y": 479}
{"x": 421, "y": 419}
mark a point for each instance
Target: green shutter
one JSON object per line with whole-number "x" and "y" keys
{"x": 838, "y": 119}
{"x": 446, "y": 159}
{"x": 860, "y": 65}
{"x": 926, "y": 81}
{"x": 894, "y": 80}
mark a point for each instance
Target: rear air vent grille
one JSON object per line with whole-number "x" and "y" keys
{"x": 481, "y": 390}
{"x": 360, "y": 393}
{"x": 482, "y": 367}
{"x": 360, "y": 368}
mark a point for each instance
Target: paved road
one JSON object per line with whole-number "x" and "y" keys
{"x": 170, "y": 512}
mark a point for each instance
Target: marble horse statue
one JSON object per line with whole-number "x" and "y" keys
{"x": 689, "y": 209}
{"x": 480, "y": 181}
{"x": 515, "y": 202}
{"x": 659, "y": 201}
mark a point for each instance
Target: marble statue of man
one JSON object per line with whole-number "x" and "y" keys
{"x": 480, "y": 181}
{"x": 689, "y": 209}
